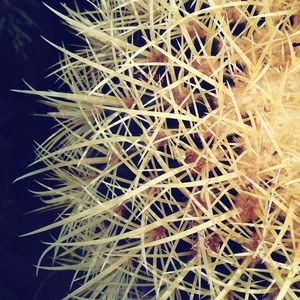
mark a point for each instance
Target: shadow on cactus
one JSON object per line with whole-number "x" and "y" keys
{"x": 177, "y": 151}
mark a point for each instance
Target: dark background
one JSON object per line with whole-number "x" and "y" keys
{"x": 18, "y": 130}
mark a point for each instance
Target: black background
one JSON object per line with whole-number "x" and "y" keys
{"x": 18, "y": 130}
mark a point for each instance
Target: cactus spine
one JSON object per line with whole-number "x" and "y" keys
{"x": 177, "y": 151}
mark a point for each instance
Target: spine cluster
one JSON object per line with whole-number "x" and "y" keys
{"x": 175, "y": 165}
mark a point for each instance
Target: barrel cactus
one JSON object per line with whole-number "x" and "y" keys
{"x": 175, "y": 164}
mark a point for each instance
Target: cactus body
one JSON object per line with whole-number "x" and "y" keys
{"x": 178, "y": 151}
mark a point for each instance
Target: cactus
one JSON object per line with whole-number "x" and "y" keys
{"x": 175, "y": 162}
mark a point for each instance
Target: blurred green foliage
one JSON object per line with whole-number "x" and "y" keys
{"x": 15, "y": 24}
